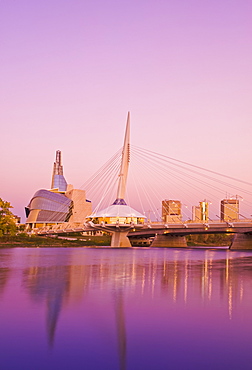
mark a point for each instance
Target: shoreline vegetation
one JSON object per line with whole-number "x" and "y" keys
{"x": 34, "y": 241}
{"x": 209, "y": 240}
{"x": 77, "y": 240}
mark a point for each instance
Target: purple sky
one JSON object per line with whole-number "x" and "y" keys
{"x": 70, "y": 71}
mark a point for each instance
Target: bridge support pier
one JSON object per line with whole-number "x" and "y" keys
{"x": 120, "y": 240}
{"x": 242, "y": 241}
{"x": 169, "y": 241}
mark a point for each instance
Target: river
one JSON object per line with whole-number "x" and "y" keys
{"x": 139, "y": 308}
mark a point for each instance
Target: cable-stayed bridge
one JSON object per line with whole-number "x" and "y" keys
{"x": 156, "y": 178}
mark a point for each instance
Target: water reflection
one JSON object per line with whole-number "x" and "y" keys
{"x": 49, "y": 284}
{"x": 128, "y": 293}
{"x": 4, "y": 273}
{"x": 120, "y": 327}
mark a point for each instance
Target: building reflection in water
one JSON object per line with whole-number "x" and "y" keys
{"x": 120, "y": 327}
{"x": 49, "y": 284}
{"x": 174, "y": 277}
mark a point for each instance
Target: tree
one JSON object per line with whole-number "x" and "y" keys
{"x": 7, "y": 220}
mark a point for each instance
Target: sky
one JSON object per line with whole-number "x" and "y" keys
{"x": 71, "y": 70}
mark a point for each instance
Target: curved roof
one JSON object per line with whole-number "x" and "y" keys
{"x": 46, "y": 206}
{"x": 118, "y": 210}
{"x": 47, "y": 200}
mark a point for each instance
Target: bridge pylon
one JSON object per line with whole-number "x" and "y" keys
{"x": 118, "y": 219}
{"x": 120, "y": 239}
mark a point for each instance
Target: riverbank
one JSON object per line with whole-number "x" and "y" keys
{"x": 209, "y": 240}
{"x": 33, "y": 241}
{"x": 72, "y": 240}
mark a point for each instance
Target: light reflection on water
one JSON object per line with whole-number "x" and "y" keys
{"x": 125, "y": 309}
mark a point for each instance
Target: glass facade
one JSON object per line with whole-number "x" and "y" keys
{"x": 46, "y": 206}
{"x": 59, "y": 182}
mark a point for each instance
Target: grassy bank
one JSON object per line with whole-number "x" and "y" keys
{"x": 34, "y": 241}
{"x": 209, "y": 239}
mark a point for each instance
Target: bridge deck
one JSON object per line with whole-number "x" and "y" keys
{"x": 155, "y": 228}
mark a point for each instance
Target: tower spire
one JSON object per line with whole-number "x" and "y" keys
{"x": 120, "y": 217}
{"x": 124, "y": 165}
{"x": 58, "y": 180}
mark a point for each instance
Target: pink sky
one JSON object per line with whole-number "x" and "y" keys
{"x": 70, "y": 71}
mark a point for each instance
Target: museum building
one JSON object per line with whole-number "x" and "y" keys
{"x": 62, "y": 203}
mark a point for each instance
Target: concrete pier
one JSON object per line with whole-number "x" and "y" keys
{"x": 241, "y": 241}
{"x": 120, "y": 240}
{"x": 169, "y": 241}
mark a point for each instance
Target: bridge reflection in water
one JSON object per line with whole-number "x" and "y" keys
{"x": 131, "y": 307}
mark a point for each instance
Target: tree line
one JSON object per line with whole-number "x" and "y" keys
{"x": 7, "y": 219}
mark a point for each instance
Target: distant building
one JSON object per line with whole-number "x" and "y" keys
{"x": 171, "y": 211}
{"x": 229, "y": 210}
{"x": 200, "y": 213}
{"x": 196, "y": 213}
{"x": 62, "y": 203}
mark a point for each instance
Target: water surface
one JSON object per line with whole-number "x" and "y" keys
{"x": 101, "y": 308}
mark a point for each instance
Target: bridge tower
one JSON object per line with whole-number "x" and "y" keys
{"x": 124, "y": 166}
{"x": 119, "y": 218}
